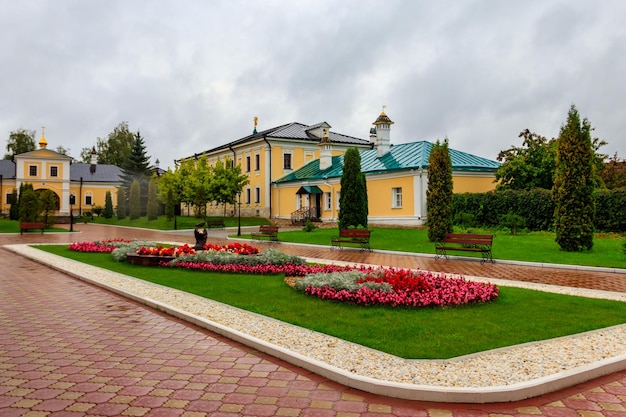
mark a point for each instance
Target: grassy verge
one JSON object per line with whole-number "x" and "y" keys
{"x": 517, "y": 316}
{"x": 13, "y": 226}
{"x": 182, "y": 222}
{"x": 530, "y": 247}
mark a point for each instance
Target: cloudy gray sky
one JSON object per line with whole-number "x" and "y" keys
{"x": 192, "y": 74}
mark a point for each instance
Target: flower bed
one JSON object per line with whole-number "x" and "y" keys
{"x": 98, "y": 246}
{"x": 354, "y": 284}
{"x": 397, "y": 287}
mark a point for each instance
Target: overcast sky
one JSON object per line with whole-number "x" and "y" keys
{"x": 192, "y": 74}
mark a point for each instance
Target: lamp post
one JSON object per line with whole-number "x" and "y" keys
{"x": 72, "y": 198}
{"x": 239, "y": 216}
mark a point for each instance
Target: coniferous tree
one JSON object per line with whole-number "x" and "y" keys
{"x": 439, "y": 192}
{"x": 121, "y": 203}
{"x": 29, "y": 205}
{"x": 108, "y": 206}
{"x": 574, "y": 185}
{"x": 152, "y": 210}
{"x": 353, "y": 202}
{"x": 14, "y": 211}
{"x": 134, "y": 200}
{"x": 137, "y": 167}
{"x": 48, "y": 205}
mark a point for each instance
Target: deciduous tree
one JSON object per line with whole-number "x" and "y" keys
{"x": 20, "y": 141}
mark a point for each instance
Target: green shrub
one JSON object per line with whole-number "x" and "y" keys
{"x": 309, "y": 226}
{"x": 513, "y": 222}
{"x": 465, "y": 220}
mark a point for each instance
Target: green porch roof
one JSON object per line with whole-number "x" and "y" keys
{"x": 402, "y": 157}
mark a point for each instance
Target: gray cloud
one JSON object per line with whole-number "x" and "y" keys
{"x": 191, "y": 75}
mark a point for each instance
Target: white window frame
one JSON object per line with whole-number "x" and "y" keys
{"x": 56, "y": 171}
{"x": 248, "y": 195}
{"x": 285, "y": 153}
{"x": 338, "y": 199}
{"x": 31, "y": 169}
{"x": 257, "y": 195}
{"x": 328, "y": 201}
{"x": 89, "y": 196}
{"x": 396, "y": 197}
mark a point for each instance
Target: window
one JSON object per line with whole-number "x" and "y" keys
{"x": 72, "y": 199}
{"x": 257, "y": 162}
{"x": 396, "y": 197}
{"x": 247, "y": 196}
{"x": 54, "y": 171}
{"x": 257, "y": 195}
{"x": 286, "y": 161}
{"x": 32, "y": 170}
{"x": 88, "y": 200}
{"x": 327, "y": 201}
{"x": 9, "y": 198}
{"x": 247, "y": 164}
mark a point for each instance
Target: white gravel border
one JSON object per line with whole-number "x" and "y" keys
{"x": 506, "y": 374}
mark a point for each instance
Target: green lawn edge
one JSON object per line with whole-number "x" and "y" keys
{"x": 517, "y": 316}
{"x": 539, "y": 247}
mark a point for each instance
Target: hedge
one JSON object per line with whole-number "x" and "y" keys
{"x": 537, "y": 208}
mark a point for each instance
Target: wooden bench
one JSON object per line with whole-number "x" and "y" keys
{"x": 467, "y": 242}
{"x": 215, "y": 223}
{"x": 266, "y": 232}
{"x": 24, "y": 226}
{"x": 359, "y": 237}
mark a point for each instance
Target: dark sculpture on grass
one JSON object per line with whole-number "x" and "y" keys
{"x": 200, "y": 233}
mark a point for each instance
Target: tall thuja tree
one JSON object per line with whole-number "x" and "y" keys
{"x": 14, "y": 211}
{"x": 108, "y": 206}
{"x": 439, "y": 194}
{"x": 353, "y": 201}
{"x": 137, "y": 167}
{"x": 48, "y": 205}
{"x": 574, "y": 185}
{"x": 134, "y": 201}
{"x": 29, "y": 204}
{"x": 120, "y": 210}
{"x": 152, "y": 211}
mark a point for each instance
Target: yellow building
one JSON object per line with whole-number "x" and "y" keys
{"x": 78, "y": 187}
{"x": 268, "y": 155}
{"x": 396, "y": 175}
{"x": 295, "y": 172}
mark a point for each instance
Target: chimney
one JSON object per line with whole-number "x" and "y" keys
{"x": 94, "y": 160}
{"x": 326, "y": 151}
{"x": 383, "y": 140}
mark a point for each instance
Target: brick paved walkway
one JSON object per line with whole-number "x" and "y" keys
{"x": 70, "y": 349}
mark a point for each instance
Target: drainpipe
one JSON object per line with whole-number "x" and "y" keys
{"x": 80, "y": 196}
{"x": 270, "y": 171}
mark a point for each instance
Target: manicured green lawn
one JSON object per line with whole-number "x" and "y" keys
{"x": 182, "y": 222}
{"x": 530, "y": 247}
{"x": 517, "y": 316}
{"x": 13, "y": 226}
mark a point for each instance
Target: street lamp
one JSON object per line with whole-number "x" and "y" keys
{"x": 239, "y": 217}
{"x": 72, "y": 201}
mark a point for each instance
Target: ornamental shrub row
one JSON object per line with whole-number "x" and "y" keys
{"x": 537, "y": 208}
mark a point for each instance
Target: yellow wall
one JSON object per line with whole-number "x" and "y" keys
{"x": 477, "y": 183}
{"x": 379, "y": 192}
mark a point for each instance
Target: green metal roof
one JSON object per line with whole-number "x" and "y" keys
{"x": 309, "y": 189}
{"x": 402, "y": 157}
